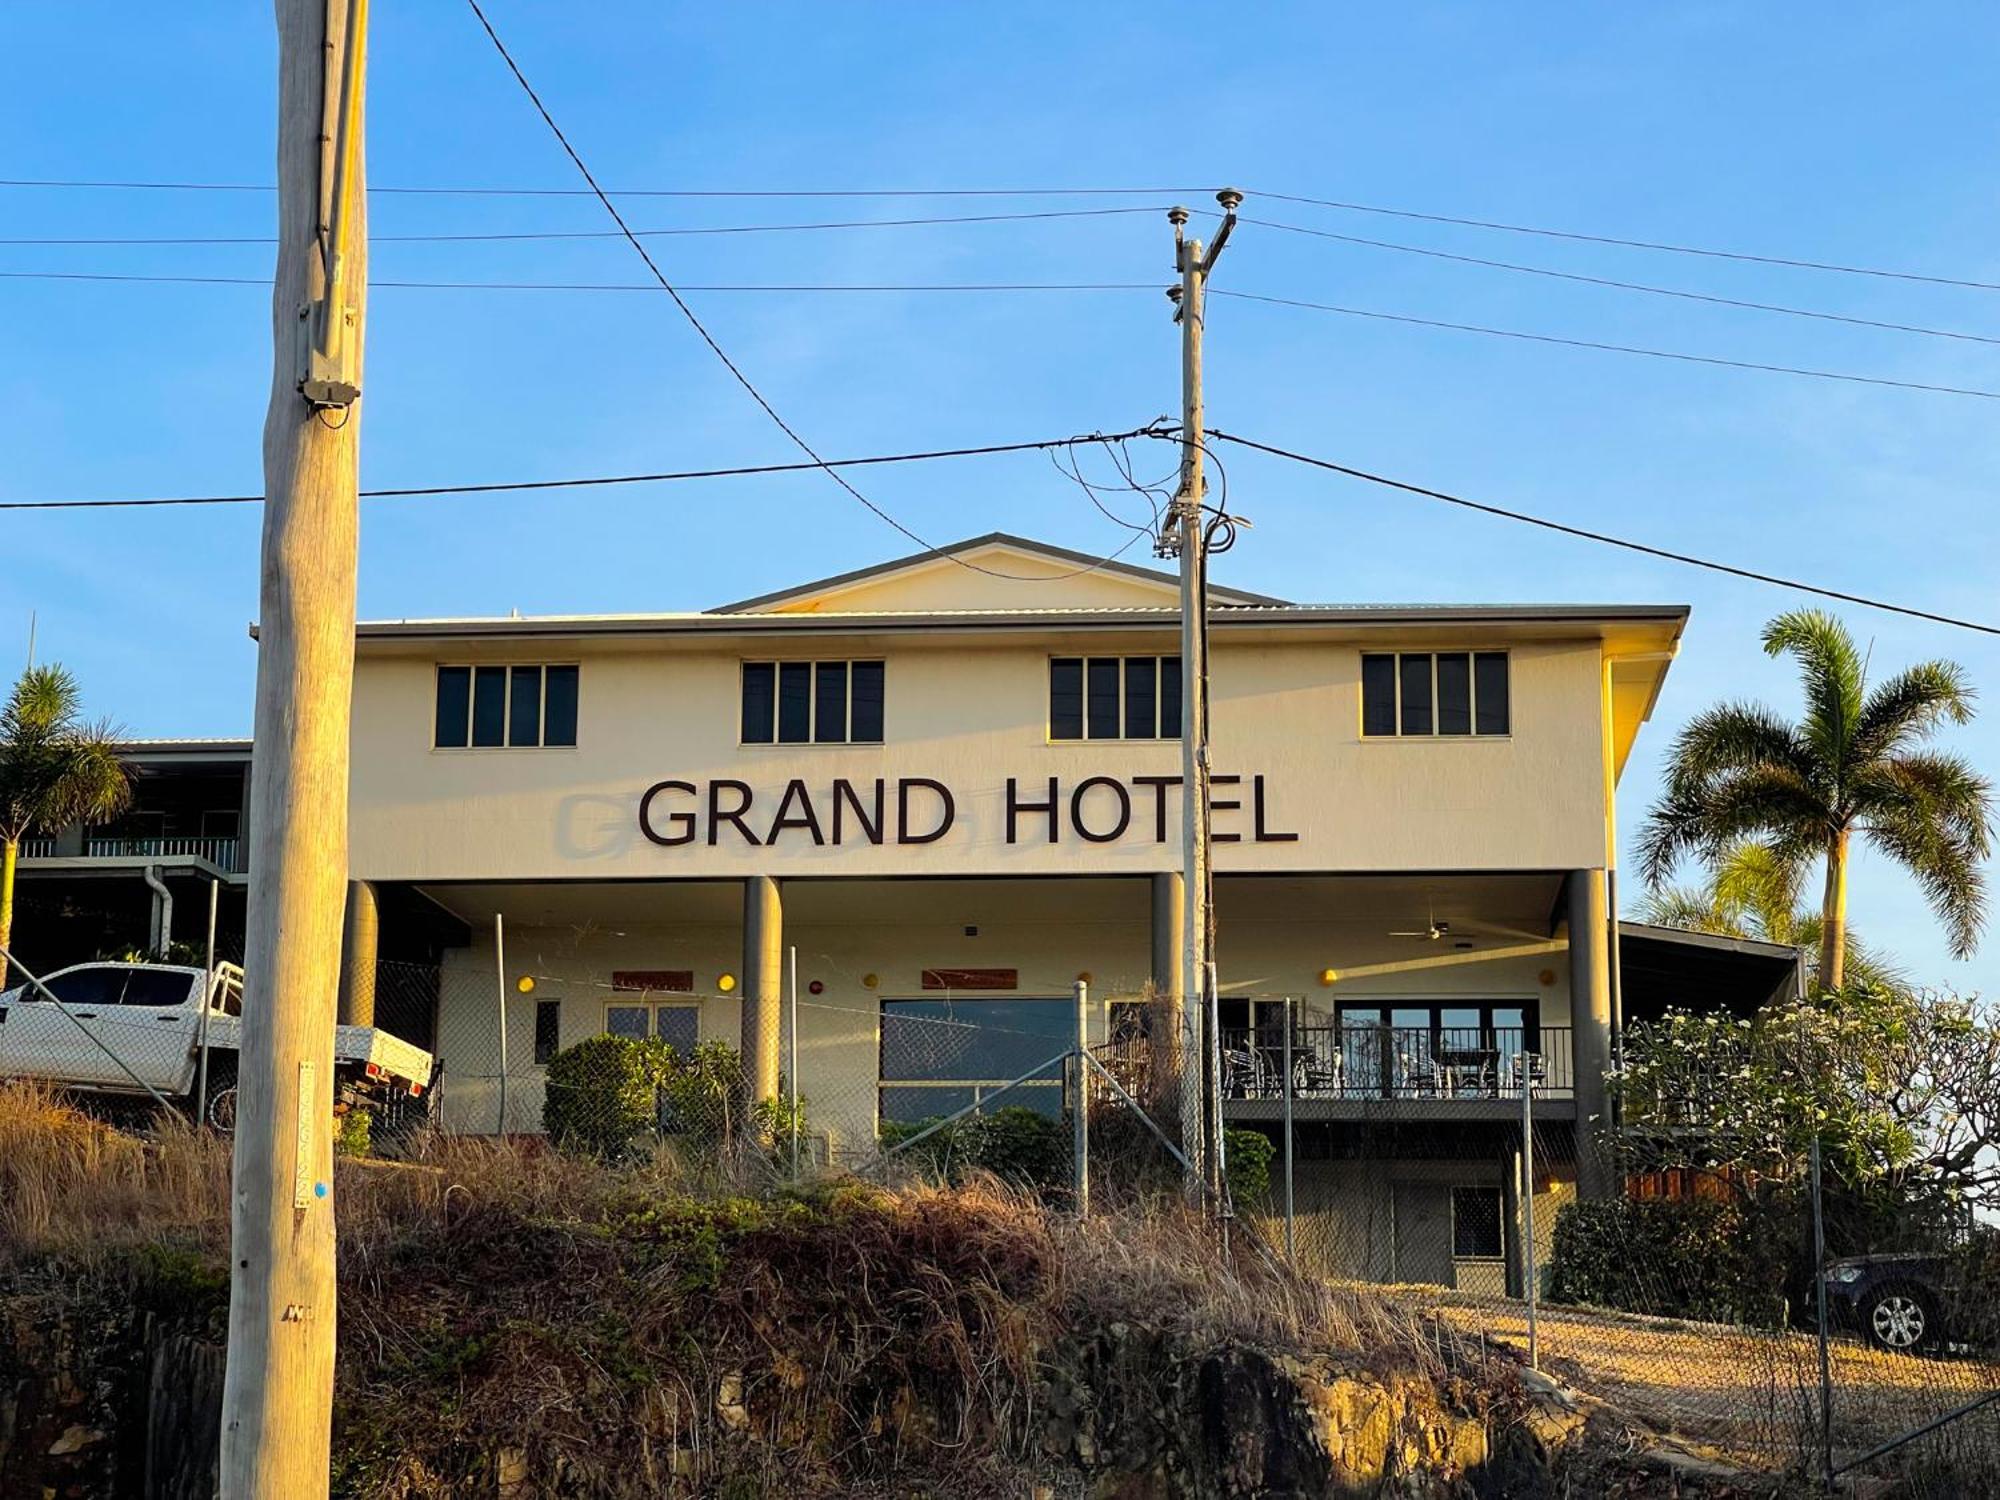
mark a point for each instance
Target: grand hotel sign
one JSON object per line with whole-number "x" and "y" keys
{"x": 922, "y": 810}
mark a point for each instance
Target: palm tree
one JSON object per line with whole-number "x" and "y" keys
{"x": 1857, "y": 763}
{"x": 55, "y": 769}
{"x": 1750, "y": 893}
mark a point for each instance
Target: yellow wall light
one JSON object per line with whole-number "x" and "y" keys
{"x": 870, "y": 981}
{"x": 726, "y": 983}
{"x": 525, "y": 984}
{"x": 1329, "y": 976}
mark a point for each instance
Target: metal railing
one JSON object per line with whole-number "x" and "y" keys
{"x": 41, "y": 848}
{"x": 217, "y": 850}
{"x": 1383, "y": 1062}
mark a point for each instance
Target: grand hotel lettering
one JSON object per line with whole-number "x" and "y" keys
{"x": 920, "y": 810}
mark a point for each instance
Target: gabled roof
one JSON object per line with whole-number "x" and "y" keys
{"x": 824, "y": 593}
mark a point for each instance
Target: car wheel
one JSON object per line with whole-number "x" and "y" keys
{"x": 1900, "y": 1319}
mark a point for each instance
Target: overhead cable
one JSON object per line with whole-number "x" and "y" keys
{"x": 1686, "y": 559}
{"x": 709, "y": 339}
{"x": 599, "y": 480}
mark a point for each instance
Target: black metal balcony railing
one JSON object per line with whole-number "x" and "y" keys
{"x": 216, "y": 849}
{"x": 1382, "y": 1062}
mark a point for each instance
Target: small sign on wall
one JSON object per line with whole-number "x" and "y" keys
{"x": 972, "y": 979}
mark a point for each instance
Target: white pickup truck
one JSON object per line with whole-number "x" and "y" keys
{"x": 132, "y": 1028}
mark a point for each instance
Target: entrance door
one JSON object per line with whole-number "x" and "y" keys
{"x": 1423, "y": 1232}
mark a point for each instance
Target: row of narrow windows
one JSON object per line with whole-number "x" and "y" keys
{"x": 1403, "y": 694}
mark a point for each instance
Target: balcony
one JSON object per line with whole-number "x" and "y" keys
{"x": 1363, "y": 1066}
{"x": 218, "y": 850}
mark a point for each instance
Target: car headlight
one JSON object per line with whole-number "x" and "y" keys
{"x": 1845, "y": 1274}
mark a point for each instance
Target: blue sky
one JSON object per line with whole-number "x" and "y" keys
{"x": 1863, "y": 137}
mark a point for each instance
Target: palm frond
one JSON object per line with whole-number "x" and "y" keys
{"x": 1910, "y": 706}
{"x": 1830, "y": 671}
{"x": 1946, "y": 866}
{"x": 1732, "y": 737}
{"x": 1690, "y": 909}
{"x": 1760, "y": 882}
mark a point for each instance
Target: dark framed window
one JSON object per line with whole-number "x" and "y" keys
{"x": 679, "y": 1025}
{"x": 1426, "y": 694}
{"x": 548, "y": 1030}
{"x": 517, "y": 707}
{"x": 1114, "y": 697}
{"x": 812, "y": 703}
{"x": 1475, "y": 1223}
{"x": 938, "y": 1056}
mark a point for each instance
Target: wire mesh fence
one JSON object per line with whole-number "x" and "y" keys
{"x": 1711, "y": 1278}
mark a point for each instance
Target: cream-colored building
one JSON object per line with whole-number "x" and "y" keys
{"x": 949, "y": 785}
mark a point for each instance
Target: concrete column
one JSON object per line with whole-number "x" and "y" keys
{"x": 1590, "y": 1033}
{"x": 763, "y": 986}
{"x": 359, "y": 941}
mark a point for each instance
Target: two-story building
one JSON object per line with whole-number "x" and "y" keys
{"x": 948, "y": 795}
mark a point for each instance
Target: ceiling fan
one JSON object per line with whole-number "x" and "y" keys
{"x": 1433, "y": 929}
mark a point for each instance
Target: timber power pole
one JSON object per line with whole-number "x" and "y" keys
{"x": 278, "y": 1390}
{"x": 1184, "y": 534}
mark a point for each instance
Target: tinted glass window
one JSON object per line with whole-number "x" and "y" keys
{"x": 830, "y": 702}
{"x": 1066, "y": 698}
{"x": 489, "y": 706}
{"x": 679, "y": 1027}
{"x": 548, "y": 1030}
{"x": 1416, "y": 684}
{"x": 627, "y": 1020}
{"x": 524, "y": 707}
{"x": 1170, "y": 697}
{"x": 1475, "y": 1221}
{"x": 454, "y": 706}
{"x": 1454, "y": 689}
{"x": 794, "y": 702}
{"x": 1142, "y": 697}
{"x": 1489, "y": 674}
{"x": 1378, "y": 694}
{"x": 1102, "y": 707}
{"x": 865, "y": 721}
{"x": 159, "y": 990}
{"x": 559, "y": 706}
{"x": 760, "y": 687}
{"x": 83, "y": 987}
{"x": 991, "y": 1040}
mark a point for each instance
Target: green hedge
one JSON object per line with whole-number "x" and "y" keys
{"x": 601, "y": 1094}
{"x": 1029, "y": 1149}
{"x": 1697, "y": 1258}
{"x": 1246, "y": 1163}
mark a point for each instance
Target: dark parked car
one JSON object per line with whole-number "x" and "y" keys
{"x": 1905, "y": 1302}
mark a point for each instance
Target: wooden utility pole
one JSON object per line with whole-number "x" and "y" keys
{"x": 1185, "y": 535}
{"x": 278, "y": 1390}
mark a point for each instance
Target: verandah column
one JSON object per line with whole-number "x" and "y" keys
{"x": 1590, "y": 1030}
{"x": 763, "y": 984}
{"x": 359, "y": 941}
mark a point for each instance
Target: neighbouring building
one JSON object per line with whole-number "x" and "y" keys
{"x": 948, "y": 795}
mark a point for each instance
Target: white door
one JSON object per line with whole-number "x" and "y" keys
{"x": 149, "y": 1027}
{"x": 48, "y": 1040}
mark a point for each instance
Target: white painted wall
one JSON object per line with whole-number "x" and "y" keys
{"x": 971, "y": 713}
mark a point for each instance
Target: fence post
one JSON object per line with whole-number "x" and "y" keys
{"x": 1080, "y": 1100}
{"x": 792, "y": 1058}
{"x": 500, "y": 976}
{"x": 1530, "y": 1292}
{"x": 1291, "y": 1244}
{"x": 1819, "y": 1295}
{"x": 207, "y": 1005}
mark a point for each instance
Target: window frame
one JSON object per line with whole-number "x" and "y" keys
{"x": 1499, "y": 1221}
{"x": 507, "y": 669}
{"x": 813, "y": 665}
{"x": 1396, "y": 657}
{"x": 639, "y": 1000}
{"x": 979, "y": 1087}
{"x": 1084, "y": 659}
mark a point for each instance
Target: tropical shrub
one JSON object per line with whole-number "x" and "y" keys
{"x": 601, "y": 1093}
{"x": 1701, "y": 1258}
{"x": 1246, "y": 1163}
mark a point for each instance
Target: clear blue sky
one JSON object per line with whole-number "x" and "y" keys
{"x": 1853, "y": 134}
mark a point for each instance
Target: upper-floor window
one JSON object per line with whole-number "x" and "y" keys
{"x": 1114, "y": 697}
{"x": 1434, "y": 693}
{"x": 516, "y": 707}
{"x": 812, "y": 703}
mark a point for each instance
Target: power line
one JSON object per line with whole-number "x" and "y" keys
{"x": 604, "y": 234}
{"x": 593, "y": 191}
{"x": 709, "y": 339}
{"x": 1604, "y": 538}
{"x": 1624, "y": 286}
{"x": 613, "y": 286}
{"x": 1153, "y": 430}
{"x": 1796, "y": 263}
{"x": 1674, "y": 354}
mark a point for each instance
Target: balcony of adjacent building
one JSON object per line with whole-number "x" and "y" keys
{"x": 190, "y": 800}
